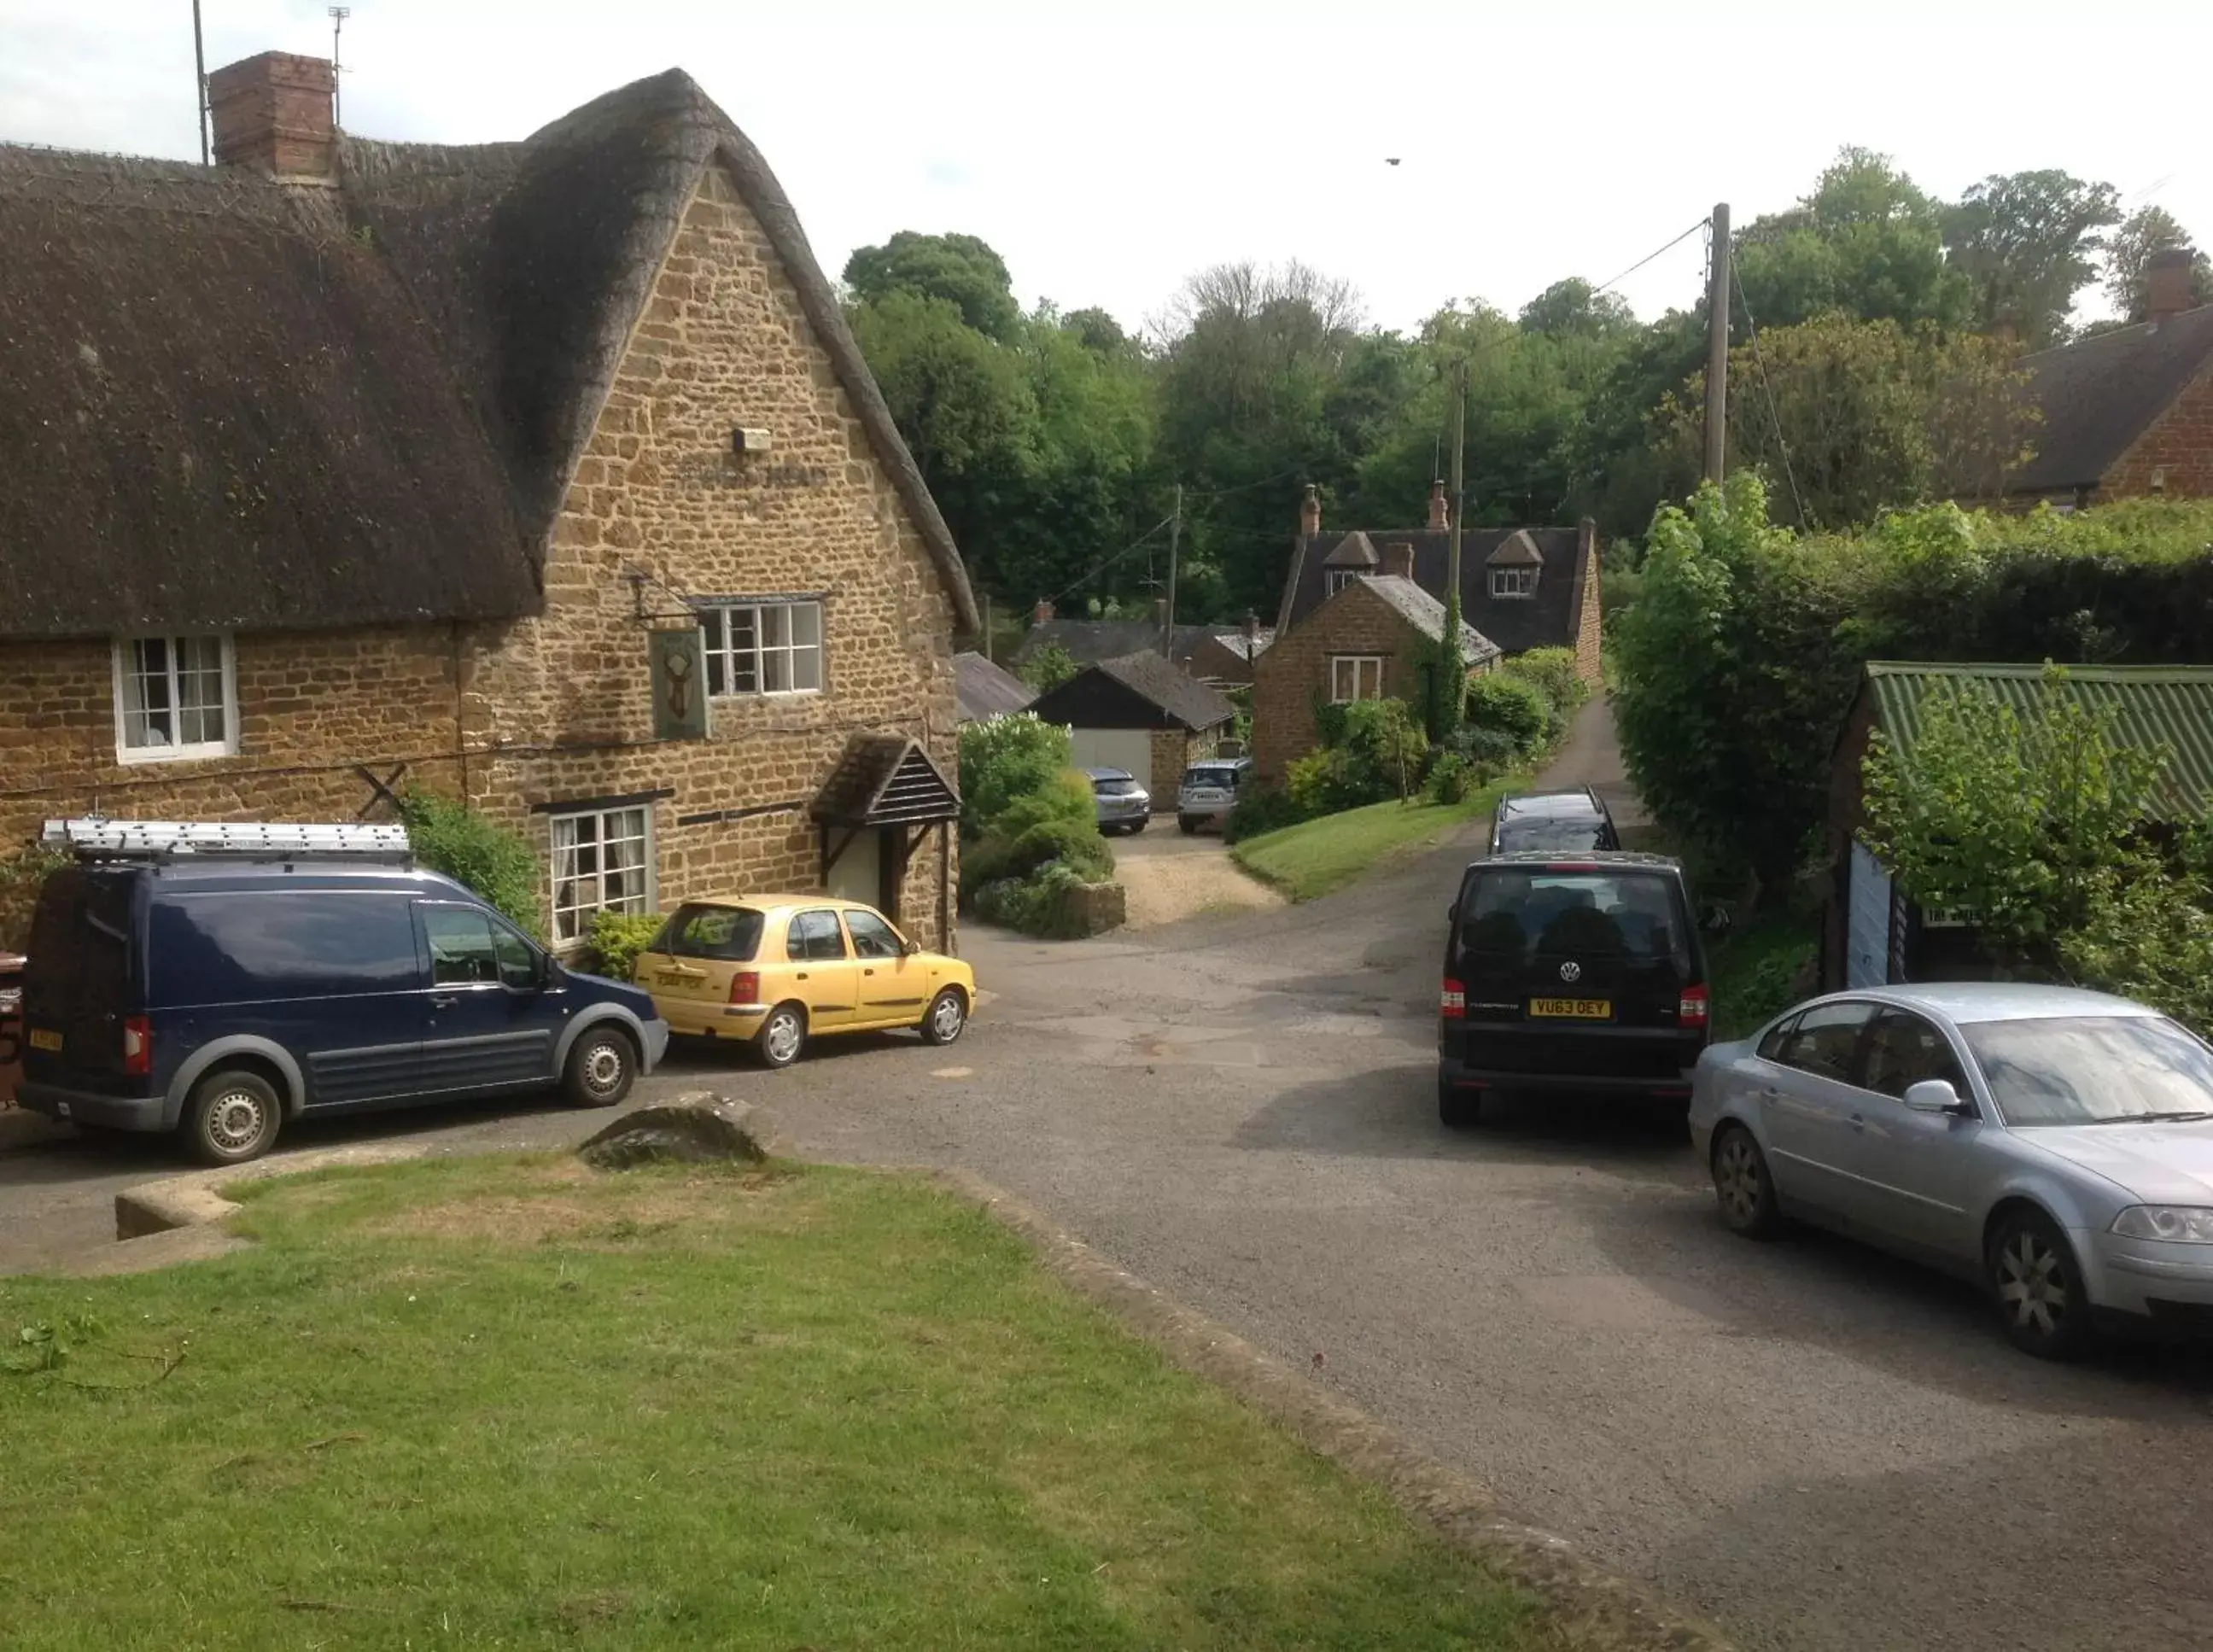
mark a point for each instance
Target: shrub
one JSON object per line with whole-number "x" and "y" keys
{"x": 1451, "y": 780}
{"x": 1066, "y": 798}
{"x": 616, "y": 940}
{"x": 1079, "y": 846}
{"x": 1268, "y": 809}
{"x": 1004, "y": 758}
{"x": 1510, "y": 705}
{"x": 1553, "y": 673}
{"x": 22, "y": 875}
{"x": 477, "y": 852}
{"x": 1489, "y": 752}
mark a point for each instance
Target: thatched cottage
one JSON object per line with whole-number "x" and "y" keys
{"x": 546, "y": 473}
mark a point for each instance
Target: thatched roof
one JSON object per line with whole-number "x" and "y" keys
{"x": 2099, "y": 394}
{"x": 219, "y": 409}
{"x": 226, "y": 402}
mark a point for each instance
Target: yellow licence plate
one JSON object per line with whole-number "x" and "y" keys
{"x": 42, "y": 1039}
{"x": 1582, "y": 1009}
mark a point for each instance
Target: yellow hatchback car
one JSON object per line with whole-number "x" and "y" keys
{"x": 775, "y": 970}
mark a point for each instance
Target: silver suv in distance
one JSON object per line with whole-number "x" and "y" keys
{"x": 1209, "y": 791}
{"x": 1124, "y": 803}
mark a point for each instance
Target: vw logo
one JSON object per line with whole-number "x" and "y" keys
{"x": 1571, "y": 972}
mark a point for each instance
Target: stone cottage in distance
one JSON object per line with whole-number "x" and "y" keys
{"x": 545, "y": 473}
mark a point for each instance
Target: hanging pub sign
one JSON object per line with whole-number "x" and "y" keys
{"x": 679, "y": 684}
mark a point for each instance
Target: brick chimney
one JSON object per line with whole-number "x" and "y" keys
{"x": 2168, "y": 282}
{"x": 1310, "y": 514}
{"x": 274, "y": 113}
{"x": 1439, "y": 508}
{"x": 1042, "y": 614}
{"x": 1399, "y": 560}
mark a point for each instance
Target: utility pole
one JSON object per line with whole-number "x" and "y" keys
{"x": 1168, "y": 615}
{"x": 339, "y": 15}
{"x": 200, "y": 82}
{"x": 1717, "y": 347}
{"x": 987, "y": 627}
{"x": 1452, "y": 679}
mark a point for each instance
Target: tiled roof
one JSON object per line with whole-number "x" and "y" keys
{"x": 1427, "y": 615}
{"x": 2098, "y": 395}
{"x": 985, "y": 690}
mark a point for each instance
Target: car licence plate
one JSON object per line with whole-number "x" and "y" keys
{"x": 43, "y": 1040}
{"x": 1581, "y": 1010}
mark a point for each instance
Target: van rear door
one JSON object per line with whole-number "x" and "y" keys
{"x": 83, "y": 980}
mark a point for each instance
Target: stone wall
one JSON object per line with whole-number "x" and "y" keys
{"x": 1174, "y": 751}
{"x": 566, "y": 696}
{"x": 2177, "y": 451}
{"x": 1295, "y": 669}
{"x": 312, "y": 707}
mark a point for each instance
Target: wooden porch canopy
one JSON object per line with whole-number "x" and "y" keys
{"x": 885, "y": 780}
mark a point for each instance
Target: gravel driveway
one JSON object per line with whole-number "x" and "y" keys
{"x": 1168, "y": 876}
{"x": 1816, "y": 1447}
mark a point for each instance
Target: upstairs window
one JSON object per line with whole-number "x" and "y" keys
{"x": 175, "y": 697}
{"x": 1514, "y": 582}
{"x": 1355, "y": 677}
{"x": 763, "y": 647}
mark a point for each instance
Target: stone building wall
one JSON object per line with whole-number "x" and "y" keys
{"x": 2176, "y": 452}
{"x": 312, "y": 706}
{"x": 1295, "y": 670}
{"x": 722, "y": 343}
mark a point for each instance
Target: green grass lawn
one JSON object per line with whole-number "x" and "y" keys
{"x": 513, "y": 1403}
{"x": 1317, "y": 856}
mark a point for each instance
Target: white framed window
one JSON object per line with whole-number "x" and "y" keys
{"x": 602, "y": 862}
{"x": 1514, "y": 582}
{"x": 1355, "y": 677}
{"x": 175, "y": 697}
{"x": 1336, "y": 579}
{"x": 763, "y": 647}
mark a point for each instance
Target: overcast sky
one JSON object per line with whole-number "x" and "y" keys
{"x": 1109, "y": 149}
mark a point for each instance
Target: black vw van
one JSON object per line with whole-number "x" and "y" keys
{"x": 1569, "y": 973}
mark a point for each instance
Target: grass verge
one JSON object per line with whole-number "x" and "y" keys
{"x": 1755, "y": 969}
{"x": 512, "y": 1403}
{"x": 1315, "y": 856}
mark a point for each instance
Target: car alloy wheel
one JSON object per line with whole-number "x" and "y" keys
{"x": 947, "y": 1015}
{"x": 781, "y": 1035}
{"x": 2038, "y": 1287}
{"x": 1742, "y": 1187}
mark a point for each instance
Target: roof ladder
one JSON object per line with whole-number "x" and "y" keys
{"x": 97, "y": 838}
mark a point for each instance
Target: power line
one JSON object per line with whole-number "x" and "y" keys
{"x": 1244, "y": 487}
{"x": 1767, "y": 391}
{"x": 1138, "y": 544}
{"x": 1648, "y": 258}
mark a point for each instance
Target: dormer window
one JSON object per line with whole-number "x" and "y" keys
{"x": 1514, "y": 582}
{"x": 1336, "y": 579}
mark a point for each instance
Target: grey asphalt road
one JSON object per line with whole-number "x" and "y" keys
{"x": 1816, "y": 1447}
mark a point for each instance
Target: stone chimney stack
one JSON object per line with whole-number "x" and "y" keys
{"x": 1399, "y": 560}
{"x": 2168, "y": 282}
{"x": 1310, "y": 514}
{"x": 1042, "y": 614}
{"x": 273, "y": 112}
{"x": 1440, "y": 506}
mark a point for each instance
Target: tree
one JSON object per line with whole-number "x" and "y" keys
{"x": 2027, "y": 241}
{"x": 961, "y": 270}
{"x": 2020, "y": 821}
{"x": 2128, "y": 252}
{"x": 1573, "y": 309}
{"x": 1848, "y": 418}
{"x": 1867, "y": 241}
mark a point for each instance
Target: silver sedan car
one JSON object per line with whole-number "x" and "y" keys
{"x": 2054, "y": 1144}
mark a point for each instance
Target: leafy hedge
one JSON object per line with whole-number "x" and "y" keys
{"x": 1744, "y": 650}
{"x": 617, "y": 938}
{"x": 476, "y": 851}
{"x": 1029, "y": 825}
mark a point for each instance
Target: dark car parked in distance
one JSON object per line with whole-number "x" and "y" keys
{"x": 221, "y": 995}
{"x": 1569, "y": 973}
{"x": 1559, "y": 821}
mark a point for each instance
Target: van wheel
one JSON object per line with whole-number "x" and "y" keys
{"x": 233, "y": 1116}
{"x": 1189, "y": 825}
{"x": 602, "y": 1067}
{"x": 781, "y": 1036}
{"x": 1458, "y": 1109}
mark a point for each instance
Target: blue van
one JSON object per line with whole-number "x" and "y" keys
{"x": 220, "y": 994}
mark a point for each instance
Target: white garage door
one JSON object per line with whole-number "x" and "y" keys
{"x": 1114, "y": 748}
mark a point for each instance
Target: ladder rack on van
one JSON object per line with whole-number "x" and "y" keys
{"x": 93, "y": 838}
